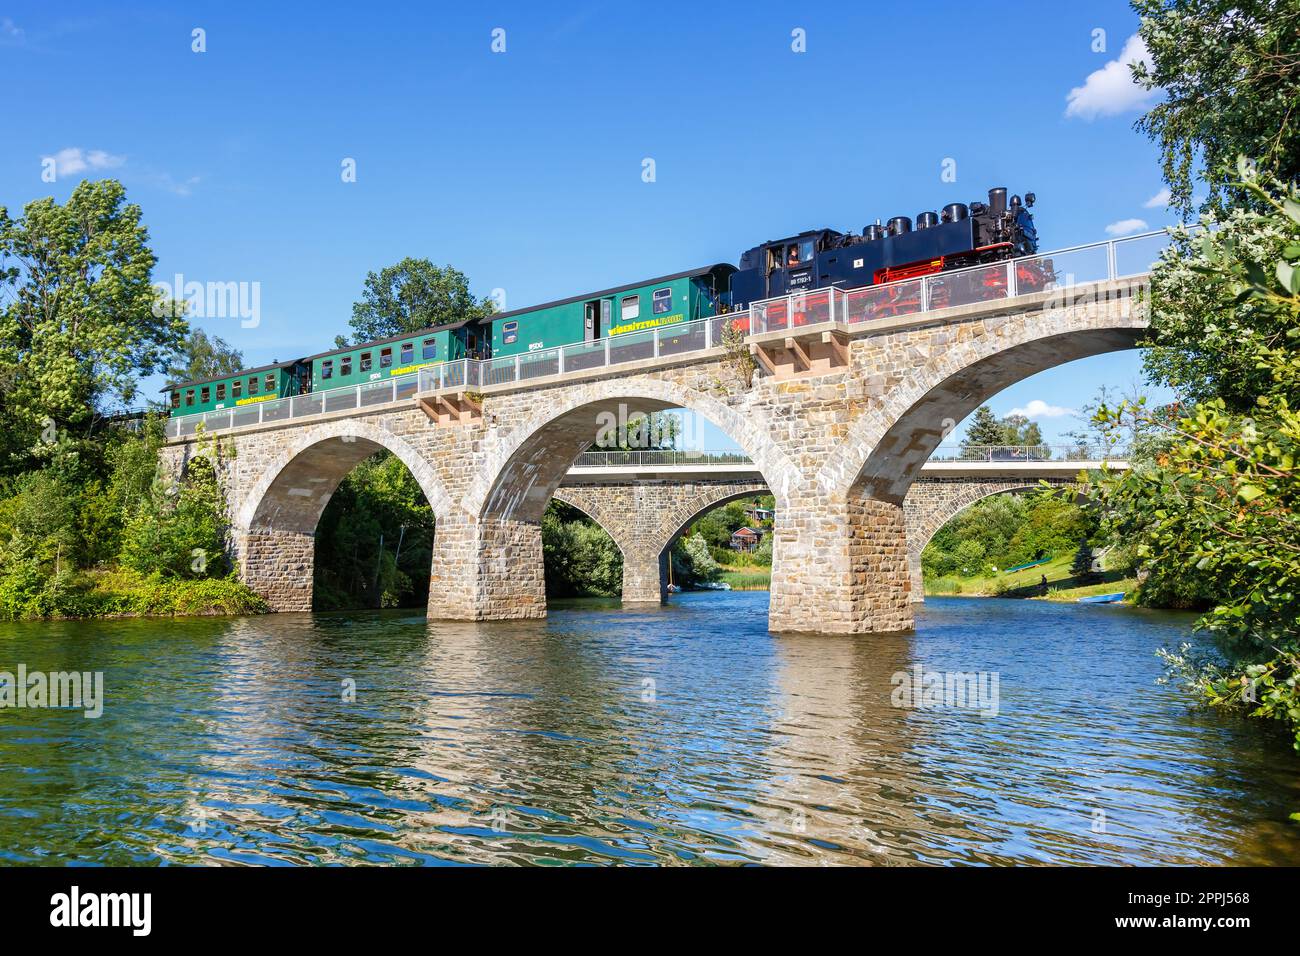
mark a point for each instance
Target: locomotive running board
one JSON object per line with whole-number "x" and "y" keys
{"x": 808, "y": 353}
{"x": 452, "y": 408}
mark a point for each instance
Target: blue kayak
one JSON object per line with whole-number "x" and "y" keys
{"x": 1103, "y": 598}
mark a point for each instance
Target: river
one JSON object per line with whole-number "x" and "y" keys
{"x": 681, "y": 735}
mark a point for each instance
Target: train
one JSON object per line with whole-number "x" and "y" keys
{"x": 958, "y": 236}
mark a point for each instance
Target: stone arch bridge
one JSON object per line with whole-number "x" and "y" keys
{"x": 838, "y": 420}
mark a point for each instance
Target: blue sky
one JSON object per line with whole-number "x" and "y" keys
{"x": 524, "y": 168}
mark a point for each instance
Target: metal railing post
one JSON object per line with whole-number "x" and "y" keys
{"x": 261, "y": 408}
{"x": 654, "y": 335}
{"x": 517, "y": 366}
{"x": 1011, "y": 280}
{"x": 1112, "y": 269}
{"x": 559, "y": 354}
{"x": 607, "y": 350}
{"x": 925, "y": 294}
{"x": 708, "y": 334}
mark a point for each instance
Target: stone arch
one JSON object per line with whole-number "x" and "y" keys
{"x": 275, "y": 524}
{"x": 887, "y": 445}
{"x": 932, "y": 502}
{"x": 524, "y": 464}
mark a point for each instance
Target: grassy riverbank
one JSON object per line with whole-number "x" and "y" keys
{"x": 121, "y": 593}
{"x": 748, "y": 579}
{"x": 1062, "y": 585}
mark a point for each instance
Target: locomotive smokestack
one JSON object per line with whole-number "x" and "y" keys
{"x": 998, "y": 200}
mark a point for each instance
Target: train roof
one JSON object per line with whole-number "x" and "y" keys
{"x": 446, "y": 326}
{"x": 221, "y": 378}
{"x": 689, "y": 273}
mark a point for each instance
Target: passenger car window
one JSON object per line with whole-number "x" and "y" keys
{"x": 189, "y": 397}
{"x": 205, "y": 394}
{"x": 252, "y": 385}
{"x": 430, "y": 349}
{"x": 221, "y": 391}
{"x": 629, "y": 307}
{"x": 345, "y": 365}
{"x": 176, "y": 399}
{"x": 408, "y": 352}
{"x": 270, "y": 383}
{"x": 509, "y": 333}
{"x": 365, "y": 361}
{"x": 386, "y": 357}
{"x": 327, "y": 368}
{"x": 661, "y": 301}
{"x": 237, "y": 387}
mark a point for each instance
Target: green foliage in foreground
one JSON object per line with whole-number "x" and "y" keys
{"x": 1219, "y": 506}
{"x": 25, "y": 594}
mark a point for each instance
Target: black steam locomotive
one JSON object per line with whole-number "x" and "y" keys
{"x": 959, "y": 236}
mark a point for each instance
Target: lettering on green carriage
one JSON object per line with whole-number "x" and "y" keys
{"x": 648, "y": 324}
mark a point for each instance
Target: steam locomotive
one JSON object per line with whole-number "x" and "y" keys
{"x": 960, "y": 235}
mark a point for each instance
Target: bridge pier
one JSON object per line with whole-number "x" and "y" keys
{"x": 840, "y": 568}
{"x": 487, "y": 570}
{"x": 279, "y": 565}
{"x": 644, "y": 577}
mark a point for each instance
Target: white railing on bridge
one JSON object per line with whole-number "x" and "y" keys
{"x": 655, "y": 457}
{"x": 1111, "y": 259}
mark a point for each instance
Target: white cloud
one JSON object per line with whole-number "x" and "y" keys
{"x": 1111, "y": 89}
{"x": 1040, "y": 409}
{"x": 1159, "y": 201}
{"x": 73, "y": 160}
{"x": 11, "y": 29}
{"x": 1126, "y": 227}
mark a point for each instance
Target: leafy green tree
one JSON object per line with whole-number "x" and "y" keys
{"x": 80, "y": 321}
{"x": 412, "y": 295}
{"x": 1220, "y": 505}
{"x": 180, "y": 530}
{"x": 374, "y": 542}
{"x": 1229, "y": 72}
{"x": 581, "y": 559}
{"x": 204, "y": 356}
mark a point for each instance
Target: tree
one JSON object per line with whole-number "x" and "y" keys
{"x": 985, "y": 429}
{"x": 79, "y": 318}
{"x": 1081, "y": 566}
{"x": 412, "y": 295}
{"x": 1220, "y": 505}
{"x": 204, "y": 356}
{"x": 1230, "y": 74}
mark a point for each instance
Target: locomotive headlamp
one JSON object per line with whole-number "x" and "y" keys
{"x": 1029, "y": 199}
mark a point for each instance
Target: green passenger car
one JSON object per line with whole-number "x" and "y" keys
{"x": 656, "y": 303}
{"x": 279, "y": 380}
{"x": 401, "y": 355}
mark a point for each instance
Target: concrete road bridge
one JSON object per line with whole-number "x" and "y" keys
{"x": 837, "y": 405}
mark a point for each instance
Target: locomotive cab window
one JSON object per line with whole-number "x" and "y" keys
{"x": 386, "y": 357}
{"x": 237, "y": 388}
{"x": 365, "y": 361}
{"x": 430, "y": 349}
{"x": 408, "y": 353}
{"x": 661, "y": 301}
{"x": 327, "y": 368}
{"x": 629, "y": 308}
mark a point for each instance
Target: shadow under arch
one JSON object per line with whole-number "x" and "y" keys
{"x": 275, "y": 525}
